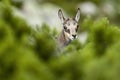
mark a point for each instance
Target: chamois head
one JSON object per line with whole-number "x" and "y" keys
{"x": 70, "y": 25}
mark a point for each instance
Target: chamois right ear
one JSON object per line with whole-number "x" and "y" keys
{"x": 77, "y": 17}
{"x": 60, "y": 14}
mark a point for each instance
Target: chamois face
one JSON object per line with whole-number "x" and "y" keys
{"x": 70, "y": 25}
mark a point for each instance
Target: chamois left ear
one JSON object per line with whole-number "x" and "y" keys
{"x": 60, "y": 14}
{"x": 77, "y": 17}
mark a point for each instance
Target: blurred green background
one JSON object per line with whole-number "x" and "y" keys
{"x": 28, "y": 48}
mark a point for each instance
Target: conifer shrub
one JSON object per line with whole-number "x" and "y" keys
{"x": 27, "y": 54}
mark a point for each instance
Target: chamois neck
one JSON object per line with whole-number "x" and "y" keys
{"x": 63, "y": 39}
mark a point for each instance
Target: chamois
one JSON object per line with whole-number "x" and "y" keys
{"x": 69, "y": 30}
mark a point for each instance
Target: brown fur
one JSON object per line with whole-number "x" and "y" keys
{"x": 62, "y": 39}
{"x": 70, "y": 27}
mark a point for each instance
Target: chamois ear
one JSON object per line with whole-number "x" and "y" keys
{"x": 60, "y": 14}
{"x": 77, "y": 17}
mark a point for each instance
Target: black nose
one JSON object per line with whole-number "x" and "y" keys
{"x": 74, "y": 36}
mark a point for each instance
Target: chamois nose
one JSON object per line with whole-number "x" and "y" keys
{"x": 74, "y": 36}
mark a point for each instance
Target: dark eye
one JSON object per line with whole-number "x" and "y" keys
{"x": 77, "y": 26}
{"x": 65, "y": 27}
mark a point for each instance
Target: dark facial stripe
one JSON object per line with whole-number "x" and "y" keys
{"x": 67, "y": 30}
{"x": 77, "y": 28}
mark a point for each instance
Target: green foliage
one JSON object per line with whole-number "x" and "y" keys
{"x": 69, "y": 6}
{"x": 27, "y": 54}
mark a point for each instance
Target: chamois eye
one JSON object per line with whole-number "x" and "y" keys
{"x": 65, "y": 27}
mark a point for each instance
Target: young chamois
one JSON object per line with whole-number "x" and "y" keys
{"x": 70, "y": 28}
